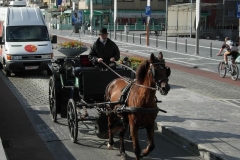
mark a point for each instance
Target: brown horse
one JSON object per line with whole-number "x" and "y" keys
{"x": 151, "y": 75}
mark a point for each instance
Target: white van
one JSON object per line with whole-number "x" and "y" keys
{"x": 25, "y": 41}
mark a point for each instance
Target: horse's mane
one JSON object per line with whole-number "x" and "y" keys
{"x": 142, "y": 71}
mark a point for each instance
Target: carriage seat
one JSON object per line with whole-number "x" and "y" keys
{"x": 78, "y": 70}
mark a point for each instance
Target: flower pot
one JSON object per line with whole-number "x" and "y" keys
{"x": 72, "y": 52}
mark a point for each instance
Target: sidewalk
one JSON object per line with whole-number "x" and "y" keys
{"x": 203, "y": 112}
{"x": 206, "y": 125}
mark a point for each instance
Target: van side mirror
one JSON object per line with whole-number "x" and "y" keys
{"x": 54, "y": 38}
{"x": 1, "y": 42}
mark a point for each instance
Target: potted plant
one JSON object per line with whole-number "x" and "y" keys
{"x": 71, "y": 48}
{"x": 134, "y": 61}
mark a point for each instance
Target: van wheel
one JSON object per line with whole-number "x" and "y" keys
{"x": 7, "y": 72}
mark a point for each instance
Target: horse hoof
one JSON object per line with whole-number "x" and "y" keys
{"x": 109, "y": 146}
{"x": 124, "y": 157}
{"x": 142, "y": 155}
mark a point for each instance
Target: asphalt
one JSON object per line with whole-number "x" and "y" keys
{"x": 204, "y": 121}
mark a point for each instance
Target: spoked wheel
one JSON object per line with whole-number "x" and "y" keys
{"x": 222, "y": 69}
{"x": 72, "y": 120}
{"x": 52, "y": 100}
{"x": 235, "y": 72}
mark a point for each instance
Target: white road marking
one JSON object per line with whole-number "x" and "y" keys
{"x": 230, "y": 103}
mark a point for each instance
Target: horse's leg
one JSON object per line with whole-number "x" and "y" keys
{"x": 151, "y": 145}
{"x": 121, "y": 137}
{"x": 134, "y": 134}
{"x": 110, "y": 132}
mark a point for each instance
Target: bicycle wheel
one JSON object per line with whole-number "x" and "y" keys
{"x": 222, "y": 69}
{"x": 235, "y": 72}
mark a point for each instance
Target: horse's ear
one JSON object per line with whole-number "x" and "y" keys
{"x": 160, "y": 56}
{"x": 168, "y": 71}
{"x": 152, "y": 57}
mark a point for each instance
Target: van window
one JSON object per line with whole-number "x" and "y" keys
{"x": 27, "y": 33}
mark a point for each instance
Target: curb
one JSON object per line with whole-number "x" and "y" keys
{"x": 3, "y": 155}
{"x": 189, "y": 144}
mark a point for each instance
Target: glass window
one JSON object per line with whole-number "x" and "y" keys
{"x": 27, "y": 33}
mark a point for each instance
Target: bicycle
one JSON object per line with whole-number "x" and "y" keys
{"x": 231, "y": 68}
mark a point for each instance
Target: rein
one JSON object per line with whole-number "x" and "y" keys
{"x": 152, "y": 88}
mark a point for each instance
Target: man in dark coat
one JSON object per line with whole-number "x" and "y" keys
{"x": 104, "y": 50}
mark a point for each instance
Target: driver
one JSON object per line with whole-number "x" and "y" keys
{"x": 104, "y": 50}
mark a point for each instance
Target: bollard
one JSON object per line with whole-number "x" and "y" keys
{"x": 140, "y": 38}
{"x": 96, "y": 32}
{"x": 121, "y": 35}
{"x": 211, "y": 49}
{"x": 186, "y": 45}
{"x": 133, "y": 37}
{"x": 156, "y": 41}
{"x": 127, "y": 37}
{"x": 176, "y": 44}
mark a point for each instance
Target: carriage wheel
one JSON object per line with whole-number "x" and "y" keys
{"x": 52, "y": 100}
{"x": 72, "y": 120}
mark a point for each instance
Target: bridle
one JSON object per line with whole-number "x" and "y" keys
{"x": 151, "y": 71}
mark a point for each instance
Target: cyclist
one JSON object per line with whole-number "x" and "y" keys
{"x": 231, "y": 50}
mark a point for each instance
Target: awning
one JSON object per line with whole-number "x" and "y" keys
{"x": 95, "y": 12}
{"x": 155, "y": 15}
{"x": 187, "y": 6}
{"x": 129, "y": 15}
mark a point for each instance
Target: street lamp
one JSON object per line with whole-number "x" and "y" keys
{"x": 166, "y": 21}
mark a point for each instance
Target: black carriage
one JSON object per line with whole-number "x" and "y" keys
{"x": 76, "y": 92}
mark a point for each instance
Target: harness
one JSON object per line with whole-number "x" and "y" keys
{"x": 126, "y": 92}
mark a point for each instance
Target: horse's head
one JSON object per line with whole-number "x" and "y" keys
{"x": 160, "y": 73}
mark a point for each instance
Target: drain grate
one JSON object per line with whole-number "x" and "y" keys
{"x": 6, "y": 144}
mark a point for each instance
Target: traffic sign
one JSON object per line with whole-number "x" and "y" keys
{"x": 238, "y": 10}
{"x": 148, "y": 11}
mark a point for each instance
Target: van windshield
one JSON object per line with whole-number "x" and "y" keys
{"x": 27, "y": 33}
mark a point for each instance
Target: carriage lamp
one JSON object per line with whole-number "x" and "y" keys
{"x": 67, "y": 65}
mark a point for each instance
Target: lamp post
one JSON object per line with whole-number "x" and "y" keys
{"x": 166, "y": 21}
{"x": 191, "y": 21}
{"x": 223, "y": 13}
{"x": 115, "y": 19}
{"x": 198, "y": 12}
{"x": 91, "y": 15}
{"x": 148, "y": 21}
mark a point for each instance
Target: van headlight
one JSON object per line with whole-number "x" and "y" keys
{"x": 16, "y": 57}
